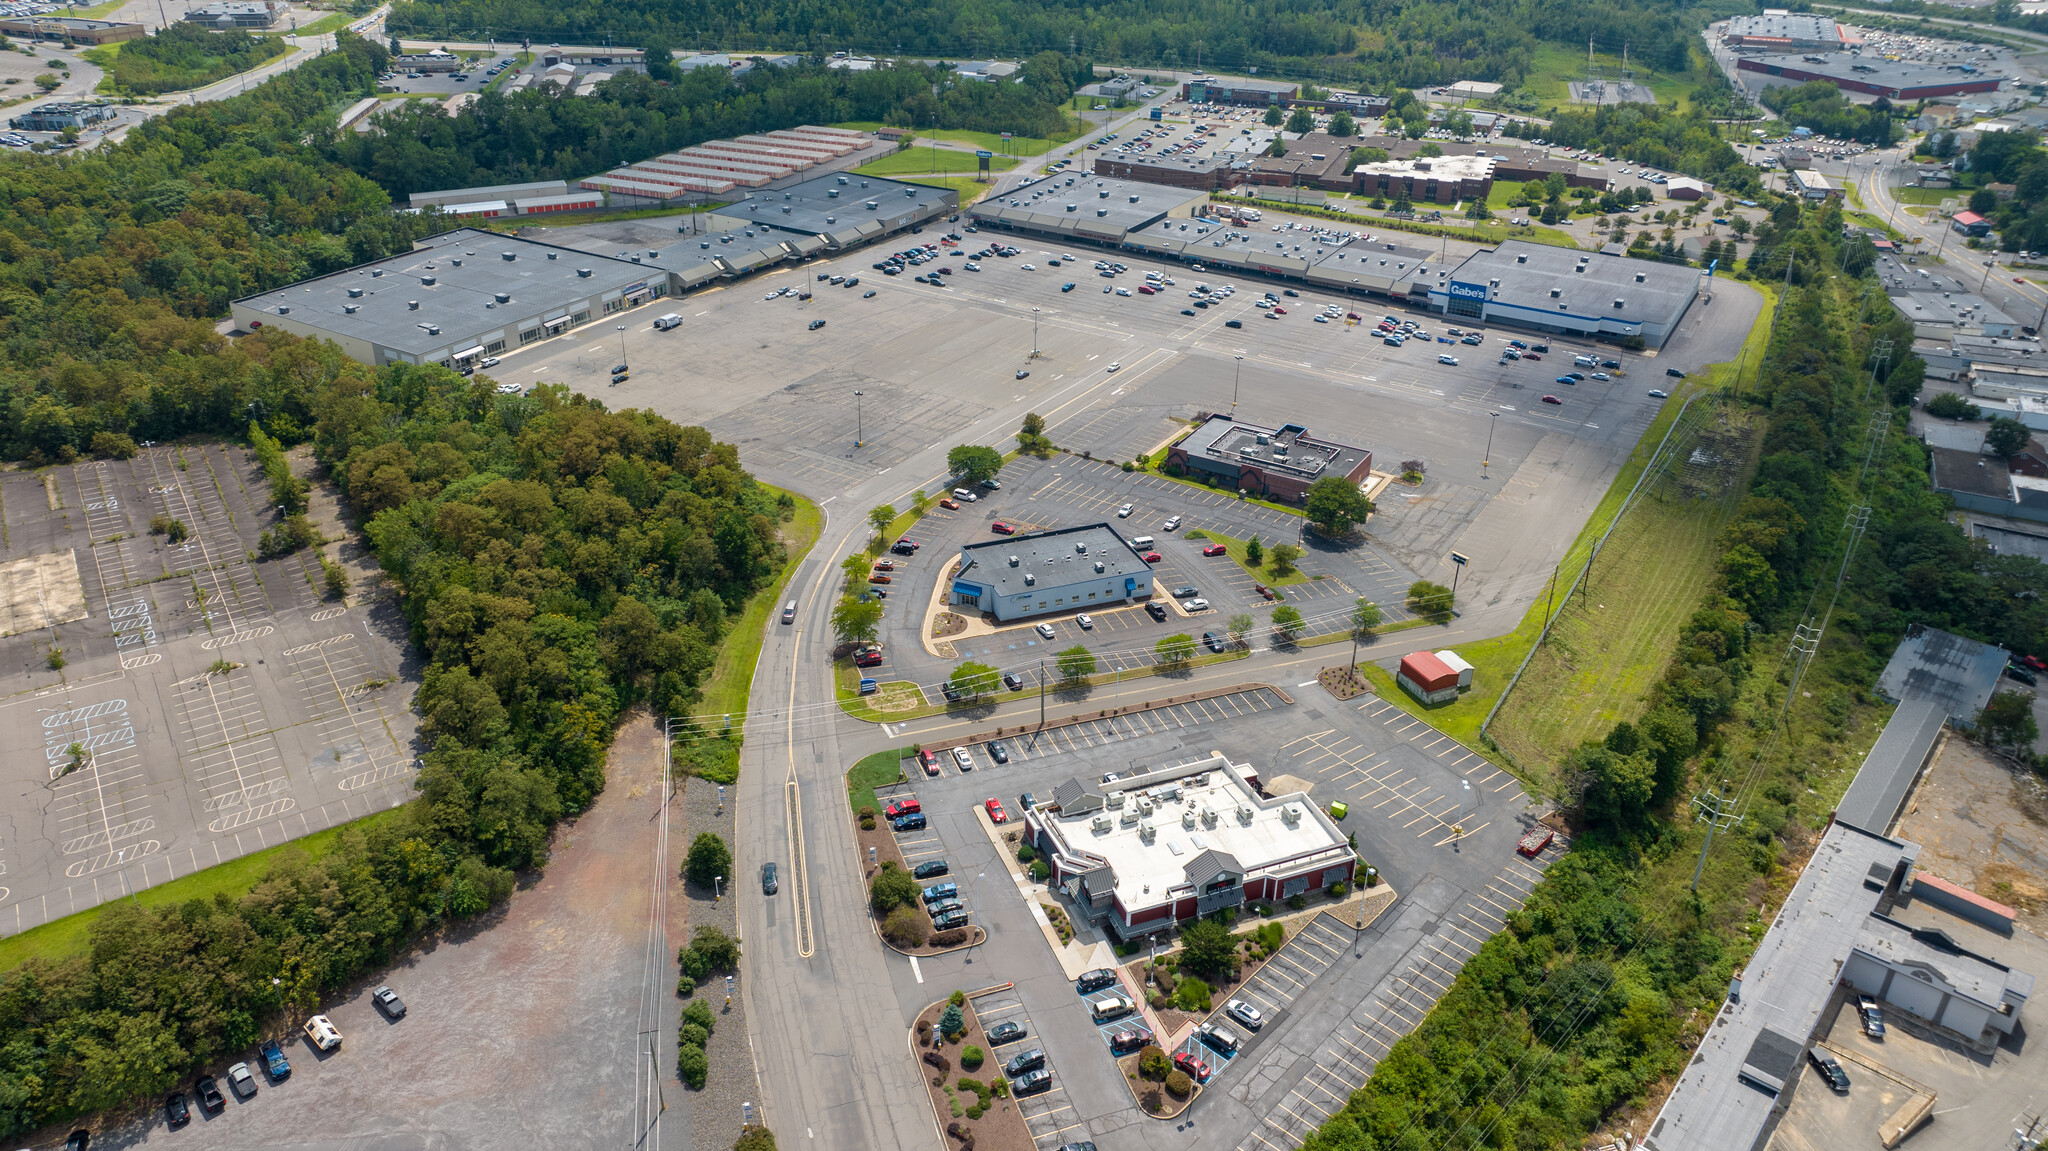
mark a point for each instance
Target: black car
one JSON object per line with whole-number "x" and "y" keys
{"x": 388, "y": 1001}
{"x": 1030, "y": 1060}
{"x": 769, "y": 885}
{"x": 1187, "y": 311}
{"x": 997, "y": 751}
{"x": 1031, "y": 1081}
{"x": 1212, "y": 641}
{"x": 1007, "y": 1032}
{"x": 78, "y": 1141}
{"x": 1156, "y": 610}
{"x": 952, "y": 693}
{"x": 1186, "y": 592}
{"x": 1674, "y": 373}
{"x": 1013, "y": 681}
{"x": 1610, "y": 363}
{"x": 912, "y": 822}
{"x": 2024, "y": 675}
{"x": 210, "y": 1098}
{"x": 949, "y": 920}
{"x": 1233, "y": 323}
{"x": 176, "y": 1112}
{"x": 1828, "y": 1068}
{"x": 1290, "y": 292}
{"x": 930, "y": 868}
{"x": 1096, "y": 980}
{"x": 618, "y": 369}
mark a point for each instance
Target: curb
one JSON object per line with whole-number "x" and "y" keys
{"x": 983, "y": 938}
{"x": 1126, "y": 709}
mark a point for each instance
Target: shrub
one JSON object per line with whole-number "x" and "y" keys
{"x": 892, "y": 888}
{"x": 957, "y": 999}
{"x": 1152, "y": 1062}
{"x": 1339, "y": 889}
{"x": 720, "y": 951}
{"x": 692, "y": 1035}
{"x": 709, "y": 859}
{"x": 938, "y": 1059}
{"x": 971, "y": 1057}
{"x": 1155, "y": 1000}
{"x": 686, "y": 987}
{"x": 1178, "y": 1084}
{"x": 113, "y": 446}
{"x": 951, "y": 937}
{"x": 699, "y": 1013}
{"x": 905, "y": 928}
{"x": 1040, "y": 870}
{"x": 951, "y": 1022}
{"x": 1192, "y": 996}
{"x": 1025, "y": 854}
{"x": 867, "y": 823}
{"x": 755, "y": 1138}
{"x": 1297, "y": 902}
{"x": 693, "y": 1066}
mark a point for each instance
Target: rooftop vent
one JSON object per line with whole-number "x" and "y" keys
{"x": 1014, "y": 561}
{"x": 412, "y": 305}
{"x": 426, "y": 281}
{"x": 376, "y": 272}
{"x": 504, "y": 297}
{"x": 433, "y": 329}
{"x": 457, "y": 262}
{"x": 1098, "y": 567}
{"x": 1522, "y": 259}
{"x": 1102, "y": 211}
{"x": 284, "y": 309}
{"x": 552, "y": 255}
{"x": 1618, "y": 301}
{"x": 583, "y": 273}
{"x": 355, "y": 293}
{"x": 871, "y": 205}
{"x": 1555, "y": 293}
{"x": 349, "y": 309}
{"x": 508, "y": 256}
{"x": 1029, "y": 579}
{"x": 832, "y": 193}
{"x": 1134, "y": 199}
{"x": 785, "y": 209}
{"x": 831, "y": 219}
{"x": 1639, "y": 277}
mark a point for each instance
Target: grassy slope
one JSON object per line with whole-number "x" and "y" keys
{"x": 732, "y": 677}
{"x": 878, "y": 770}
{"x": 69, "y": 936}
{"x": 930, "y": 162}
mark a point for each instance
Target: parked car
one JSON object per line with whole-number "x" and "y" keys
{"x": 871, "y": 657}
{"x": 997, "y": 751}
{"x": 1124, "y": 512}
{"x": 1008, "y": 1031}
{"x": 940, "y": 892}
{"x": 210, "y": 1099}
{"x": 962, "y": 757}
{"x": 1152, "y": 557}
{"x": 1659, "y": 393}
{"x": 1156, "y": 610}
{"x": 274, "y": 1063}
{"x": 1194, "y": 605}
{"x": 177, "y": 1112}
{"x": 1245, "y": 1013}
{"x": 1194, "y": 1068}
{"x": 1045, "y": 630}
{"x": 949, "y": 503}
{"x": 929, "y": 869}
{"x": 946, "y": 921}
{"x": 1212, "y": 641}
{"x": 1002, "y": 529}
{"x": 1552, "y": 400}
{"x": 1014, "y": 682}
{"x": 1216, "y": 550}
{"x": 1086, "y": 621}
{"x": 1129, "y": 1039}
{"x": 1674, "y": 373}
{"x": 1872, "y": 1016}
{"x": 996, "y": 814}
{"x": 1186, "y": 592}
{"x": 1031, "y": 1082}
{"x": 906, "y": 806}
{"x": 909, "y": 823}
{"x": 1024, "y": 1061}
{"x": 1096, "y": 980}
{"x": 1828, "y": 1068}
{"x": 388, "y": 1002}
{"x": 243, "y": 1083}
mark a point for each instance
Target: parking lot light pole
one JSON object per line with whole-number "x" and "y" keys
{"x": 716, "y": 894}
{"x": 1234, "y": 381}
{"x": 1034, "y": 333}
{"x": 1486, "y": 461}
{"x": 622, "y": 344}
{"x": 860, "y": 427}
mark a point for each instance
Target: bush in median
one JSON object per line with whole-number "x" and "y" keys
{"x": 905, "y": 928}
{"x": 1152, "y": 1063}
{"x": 1178, "y": 1084}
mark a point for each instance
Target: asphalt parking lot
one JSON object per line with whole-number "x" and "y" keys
{"x": 181, "y": 761}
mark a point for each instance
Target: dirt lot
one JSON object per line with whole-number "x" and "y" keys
{"x": 1983, "y": 824}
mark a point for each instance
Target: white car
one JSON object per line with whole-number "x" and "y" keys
{"x": 1045, "y": 629}
{"x": 1172, "y": 524}
{"x": 1245, "y": 1013}
{"x": 488, "y": 362}
{"x": 1125, "y": 511}
{"x": 973, "y": 266}
{"x": 1602, "y": 376}
{"x": 508, "y": 389}
{"x": 1123, "y": 291}
{"x": 1194, "y": 605}
{"x": 965, "y": 760}
{"x": 1115, "y": 365}
{"x": 1322, "y": 319}
{"x": 1029, "y": 268}
{"x": 1451, "y": 360}
{"x": 1660, "y": 393}
{"x": 1085, "y": 622}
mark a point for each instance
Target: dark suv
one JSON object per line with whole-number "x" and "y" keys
{"x": 1096, "y": 980}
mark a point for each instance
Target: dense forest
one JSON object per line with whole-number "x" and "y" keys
{"x": 558, "y": 563}
{"x": 1822, "y": 107}
{"x": 534, "y": 135}
{"x": 182, "y": 56}
{"x": 1395, "y": 43}
{"x": 2014, "y": 158}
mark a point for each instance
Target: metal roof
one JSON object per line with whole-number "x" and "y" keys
{"x": 843, "y": 207}
{"x": 1054, "y": 558}
{"x": 1209, "y": 865}
{"x": 1933, "y": 664}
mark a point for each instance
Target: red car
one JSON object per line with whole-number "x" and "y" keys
{"x": 1001, "y": 528}
{"x": 950, "y": 504}
{"x": 1263, "y": 590}
{"x": 1552, "y": 400}
{"x": 1278, "y": 310}
{"x": 885, "y": 565}
{"x": 879, "y": 577}
{"x": 1532, "y": 355}
{"x": 2035, "y": 662}
{"x": 905, "y": 806}
{"x": 996, "y": 814}
{"x": 1151, "y": 557}
{"x": 928, "y": 761}
{"x": 869, "y": 658}
{"x": 1195, "y": 1068}
{"x": 1216, "y": 550}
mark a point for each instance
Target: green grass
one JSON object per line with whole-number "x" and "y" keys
{"x": 878, "y": 770}
{"x": 1929, "y": 196}
{"x": 320, "y": 27}
{"x": 732, "y": 676}
{"x": 993, "y": 141}
{"x": 1551, "y": 65}
{"x": 931, "y": 162}
{"x": 62, "y": 938}
{"x": 967, "y": 188}
{"x": 1200, "y": 486}
{"x": 846, "y": 683}
{"x": 1263, "y": 573}
{"x": 521, "y": 60}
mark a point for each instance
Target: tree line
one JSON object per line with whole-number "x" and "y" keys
{"x": 557, "y": 564}
{"x": 180, "y": 56}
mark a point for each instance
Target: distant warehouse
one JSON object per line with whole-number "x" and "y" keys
{"x": 1892, "y": 79}
{"x": 1591, "y": 294}
{"x": 73, "y": 29}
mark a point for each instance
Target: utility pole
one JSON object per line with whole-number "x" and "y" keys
{"x": 1717, "y": 812}
{"x": 1041, "y": 693}
{"x": 1880, "y": 354}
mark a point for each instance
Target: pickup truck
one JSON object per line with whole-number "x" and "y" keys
{"x": 274, "y": 1061}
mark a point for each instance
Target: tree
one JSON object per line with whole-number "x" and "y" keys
{"x": 1031, "y": 437}
{"x": 1430, "y": 150}
{"x": 2007, "y": 436}
{"x": 1616, "y": 788}
{"x": 1430, "y": 600}
{"x": 1175, "y": 650}
{"x": 1365, "y": 616}
{"x": 856, "y": 568}
{"x": 1286, "y": 620}
{"x": 1458, "y": 124}
{"x": 661, "y": 59}
{"x": 1738, "y": 225}
{"x": 1274, "y": 117}
{"x": 1206, "y": 948}
{"x": 1342, "y": 126}
{"x": 1368, "y": 156}
{"x": 1277, "y": 149}
{"x": 881, "y": 516}
{"x": 905, "y": 927}
{"x": 1076, "y": 663}
{"x": 1281, "y": 559}
{"x": 1983, "y": 201}
{"x": 973, "y": 463}
{"x": 2007, "y": 722}
{"x": 1302, "y": 121}
{"x": 709, "y": 859}
{"x": 892, "y": 887}
{"x": 920, "y": 501}
{"x": 1950, "y": 406}
{"x": 857, "y": 621}
{"x": 48, "y": 82}
{"x": 952, "y": 1021}
{"x": 1240, "y": 626}
{"x": 1334, "y": 504}
{"x": 1254, "y": 552}
{"x": 974, "y": 680}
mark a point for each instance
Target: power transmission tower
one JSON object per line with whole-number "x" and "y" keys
{"x": 1880, "y": 355}
{"x": 1717, "y": 811}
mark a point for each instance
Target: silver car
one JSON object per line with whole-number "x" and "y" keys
{"x": 1245, "y": 1013}
{"x": 243, "y": 1083}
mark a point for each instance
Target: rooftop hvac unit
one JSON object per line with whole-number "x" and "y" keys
{"x": 1291, "y": 813}
{"x": 1244, "y": 812}
{"x": 1013, "y": 561}
{"x": 1147, "y": 832}
{"x": 504, "y": 297}
{"x": 1130, "y": 816}
{"x": 1102, "y": 212}
{"x": 1187, "y": 818}
{"x": 433, "y": 329}
{"x": 1114, "y": 799}
{"x": 1208, "y": 817}
{"x": 457, "y": 263}
{"x": 376, "y": 272}
{"x": 1201, "y": 780}
{"x": 583, "y": 273}
{"x": 1100, "y": 823}
{"x": 355, "y": 293}
{"x": 509, "y": 256}
{"x": 842, "y": 179}
{"x": 1145, "y": 806}
{"x": 831, "y": 219}
{"x": 1029, "y": 579}
{"x": 832, "y": 193}
{"x": 426, "y": 281}
{"x": 412, "y": 305}
{"x": 348, "y": 309}
{"x": 785, "y": 209}
{"x": 871, "y": 205}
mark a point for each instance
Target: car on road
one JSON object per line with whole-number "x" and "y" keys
{"x": 208, "y": 1091}
{"x": 488, "y": 362}
{"x": 1002, "y": 529}
{"x": 1031, "y": 1082}
{"x": 1872, "y": 1016}
{"x": 1008, "y": 1031}
{"x": 388, "y": 1002}
{"x": 1097, "y": 979}
{"x": 997, "y": 751}
{"x": 1066, "y": 287}
{"x": 1186, "y": 592}
{"x": 949, "y": 503}
{"x": 1674, "y": 373}
{"x": 1552, "y": 400}
{"x": 1244, "y": 1013}
{"x": 177, "y": 1112}
{"x": 867, "y": 294}
{"x": 965, "y": 760}
{"x": 1829, "y": 1069}
{"x": 1022, "y": 374}
{"x": 1216, "y": 550}
{"x": 1451, "y": 360}
{"x": 1029, "y": 268}
{"x": 769, "y": 884}
{"x": 815, "y": 325}
{"x": 1125, "y": 511}
{"x": 240, "y": 1079}
{"x": 1114, "y": 366}
{"x": 929, "y": 869}
{"x": 1575, "y": 376}
{"x": 1659, "y": 394}
{"x": 996, "y": 814}
{"x": 1044, "y": 629}
{"x": 1193, "y": 1067}
{"x": 1195, "y": 605}
{"x": 274, "y": 1063}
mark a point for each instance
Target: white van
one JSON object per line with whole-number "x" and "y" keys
{"x": 964, "y": 495}
{"x": 789, "y": 612}
{"x": 1141, "y": 542}
{"x": 664, "y": 323}
{"x": 1586, "y": 361}
{"x": 1110, "y": 1007}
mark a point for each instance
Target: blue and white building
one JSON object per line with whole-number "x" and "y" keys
{"x": 1600, "y": 295}
{"x": 1044, "y": 573}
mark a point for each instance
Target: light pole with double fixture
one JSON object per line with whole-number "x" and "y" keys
{"x": 1486, "y": 461}
{"x": 1235, "y": 380}
{"x": 860, "y": 428}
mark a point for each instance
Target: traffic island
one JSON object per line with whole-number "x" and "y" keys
{"x": 1155, "y": 1094}
{"x": 1343, "y": 683}
{"x": 969, "y": 1096}
{"x": 898, "y": 911}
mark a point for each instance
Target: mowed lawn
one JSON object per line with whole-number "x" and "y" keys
{"x": 932, "y": 161}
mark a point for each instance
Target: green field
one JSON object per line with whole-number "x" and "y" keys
{"x": 993, "y": 141}
{"x": 1552, "y": 65}
{"x": 69, "y": 936}
{"x": 320, "y": 27}
{"x": 967, "y": 188}
{"x": 932, "y": 162}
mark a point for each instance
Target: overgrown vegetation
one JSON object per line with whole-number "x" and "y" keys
{"x": 181, "y": 55}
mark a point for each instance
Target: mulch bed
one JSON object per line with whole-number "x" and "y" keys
{"x": 1153, "y": 1098}
{"x": 948, "y": 623}
{"x": 1343, "y": 682}
{"x": 883, "y": 844}
{"x": 1001, "y": 1127}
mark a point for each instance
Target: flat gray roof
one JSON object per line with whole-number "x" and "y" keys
{"x": 1959, "y": 309}
{"x": 1307, "y": 457}
{"x": 1096, "y": 207}
{"x": 1240, "y": 84}
{"x": 1720, "y": 1102}
{"x": 1586, "y": 283}
{"x": 1790, "y": 25}
{"x": 1243, "y": 245}
{"x": 1903, "y": 74}
{"x": 827, "y": 207}
{"x": 1887, "y": 775}
{"x": 462, "y": 297}
{"x": 1976, "y": 976}
{"x": 1054, "y": 556}
{"x": 1936, "y": 665}
{"x": 494, "y": 192}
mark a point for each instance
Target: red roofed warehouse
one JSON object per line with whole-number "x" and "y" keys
{"x": 1427, "y": 678}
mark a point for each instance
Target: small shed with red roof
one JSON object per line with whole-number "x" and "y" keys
{"x": 1427, "y": 677}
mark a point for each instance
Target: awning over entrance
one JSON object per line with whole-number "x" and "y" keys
{"x": 470, "y": 353}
